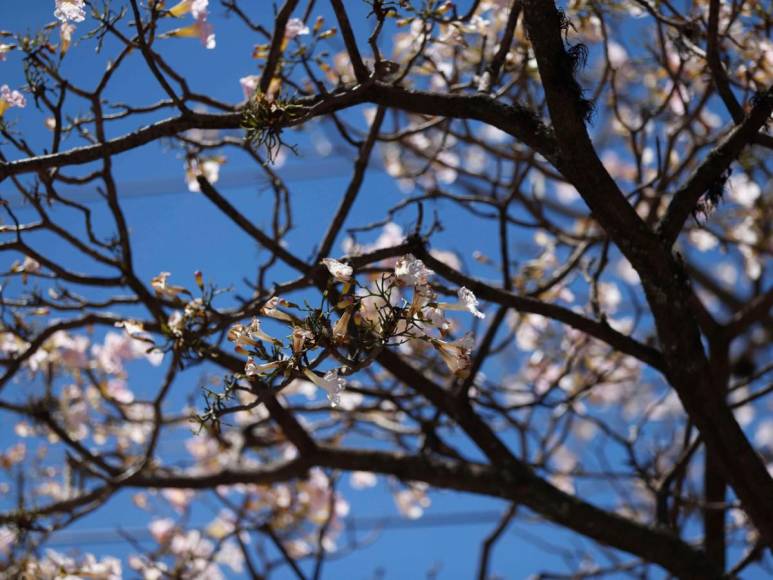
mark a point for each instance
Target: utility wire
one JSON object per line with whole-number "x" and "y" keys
{"x": 164, "y": 186}
{"x": 98, "y": 536}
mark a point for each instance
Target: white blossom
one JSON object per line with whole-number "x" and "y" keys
{"x": 469, "y": 301}
{"x": 340, "y": 271}
{"x": 362, "y": 479}
{"x": 332, "y": 383}
{"x": 9, "y": 98}
{"x": 70, "y": 10}
{"x": 457, "y": 355}
{"x": 295, "y": 27}
{"x": 412, "y": 271}
{"x": 162, "y": 287}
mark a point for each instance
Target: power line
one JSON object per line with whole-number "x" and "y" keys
{"x": 118, "y": 536}
{"x": 165, "y": 186}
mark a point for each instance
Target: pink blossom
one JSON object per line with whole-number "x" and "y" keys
{"x": 178, "y": 498}
{"x": 9, "y": 98}
{"x": 295, "y": 27}
{"x": 201, "y": 29}
{"x": 412, "y": 502}
{"x": 197, "y": 8}
{"x": 412, "y": 272}
{"x": 70, "y": 10}
{"x": 7, "y": 540}
{"x": 161, "y": 530}
{"x": 362, "y": 479}
{"x": 249, "y": 85}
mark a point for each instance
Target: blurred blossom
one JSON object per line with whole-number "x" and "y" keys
{"x": 362, "y": 479}
{"x": 727, "y": 273}
{"x": 70, "y": 10}
{"x": 178, "y": 498}
{"x": 295, "y": 27}
{"x": 763, "y": 436}
{"x": 161, "y": 530}
{"x": 617, "y": 54}
{"x": 209, "y": 168}
{"x": 609, "y": 296}
{"x": 627, "y": 272}
{"x": 197, "y": 8}
{"x": 742, "y": 190}
{"x": 7, "y": 540}
{"x": 4, "y": 50}
{"x": 340, "y": 271}
{"x": 412, "y": 502}
{"x": 702, "y": 240}
{"x": 232, "y": 556}
{"x": 249, "y": 85}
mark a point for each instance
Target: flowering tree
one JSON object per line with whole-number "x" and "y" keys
{"x": 566, "y": 306}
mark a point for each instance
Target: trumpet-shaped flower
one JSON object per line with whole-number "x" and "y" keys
{"x": 9, "y": 98}
{"x": 434, "y": 316}
{"x": 412, "y": 271}
{"x": 197, "y": 8}
{"x": 201, "y": 29}
{"x": 332, "y": 383}
{"x": 271, "y": 309}
{"x": 300, "y": 338}
{"x": 164, "y": 289}
{"x": 65, "y": 36}
{"x": 243, "y": 336}
{"x": 457, "y": 355}
{"x": 340, "y": 329}
{"x": 249, "y": 85}
{"x": 253, "y": 369}
{"x": 340, "y": 271}
{"x": 467, "y": 301}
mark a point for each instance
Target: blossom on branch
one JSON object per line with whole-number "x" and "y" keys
{"x": 9, "y": 98}
{"x": 467, "y": 301}
{"x": 340, "y": 271}
{"x": 163, "y": 288}
{"x": 70, "y": 10}
{"x": 331, "y": 382}
{"x": 412, "y": 271}
{"x": 457, "y": 355}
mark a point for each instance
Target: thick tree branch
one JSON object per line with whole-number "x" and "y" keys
{"x": 710, "y": 170}
{"x": 360, "y": 70}
{"x": 516, "y": 120}
{"x": 662, "y": 277}
{"x": 653, "y": 545}
{"x": 599, "y": 330}
{"x": 277, "y": 44}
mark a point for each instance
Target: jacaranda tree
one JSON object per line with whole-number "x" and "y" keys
{"x": 563, "y": 300}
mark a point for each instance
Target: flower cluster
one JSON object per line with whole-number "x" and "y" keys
{"x": 396, "y": 308}
{"x": 68, "y": 12}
